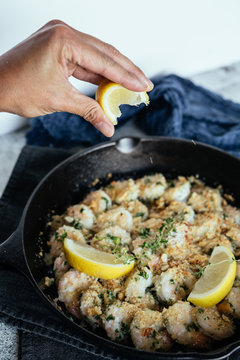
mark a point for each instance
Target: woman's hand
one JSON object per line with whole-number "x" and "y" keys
{"x": 34, "y": 74}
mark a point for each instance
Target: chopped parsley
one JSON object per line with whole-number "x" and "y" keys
{"x": 144, "y": 233}
{"x": 110, "y": 295}
{"x": 76, "y": 224}
{"x": 200, "y": 271}
{"x": 101, "y": 297}
{"x": 172, "y": 281}
{"x": 200, "y": 310}
{"x": 144, "y": 274}
{"x": 124, "y": 328}
{"x": 110, "y": 317}
{"x": 139, "y": 214}
{"x": 81, "y": 210}
{"x": 107, "y": 202}
{"x": 61, "y": 237}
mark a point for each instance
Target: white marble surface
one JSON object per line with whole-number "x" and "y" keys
{"x": 225, "y": 81}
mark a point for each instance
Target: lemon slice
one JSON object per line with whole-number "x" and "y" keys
{"x": 111, "y": 95}
{"x": 217, "y": 279}
{"x": 94, "y": 262}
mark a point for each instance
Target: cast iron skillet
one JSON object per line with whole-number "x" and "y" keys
{"x": 71, "y": 180}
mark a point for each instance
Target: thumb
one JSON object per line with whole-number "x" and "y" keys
{"x": 89, "y": 109}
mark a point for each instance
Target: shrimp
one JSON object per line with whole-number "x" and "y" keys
{"x": 108, "y": 238}
{"x": 60, "y": 266}
{"x": 138, "y": 210}
{"x": 231, "y": 303}
{"x": 179, "y": 191}
{"x": 114, "y": 288}
{"x": 98, "y": 201}
{"x": 209, "y": 200}
{"x": 116, "y": 216}
{"x": 205, "y": 225}
{"x": 137, "y": 283}
{"x": 121, "y": 191}
{"x": 180, "y": 321}
{"x": 214, "y": 324}
{"x": 83, "y": 214}
{"x": 56, "y": 240}
{"x": 178, "y": 208}
{"x": 91, "y": 303}
{"x": 148, "y": 331}
{"x": 234, "y": 236}
{"x": 147, "y": 301}
{"x": 232, "y": 214}
{"x": 117, "y": 320}
{"x": 71, "y": 284}
{"x": 174, "y": 284}
{"x": 151, "y": 187}
{"x": 208, "y": 245}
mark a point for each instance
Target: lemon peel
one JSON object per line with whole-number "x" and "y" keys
{"x": 216, "y": 280}
{"x": 94, "y": 262}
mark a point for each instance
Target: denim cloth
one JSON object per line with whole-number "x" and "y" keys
{"x": 177, "y": 108}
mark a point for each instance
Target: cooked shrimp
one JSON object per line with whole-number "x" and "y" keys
{"x": 151, "y": 187}
{"x": 207, "y": 245}
{"x": 174, "y": 284}
{"x": 117, "y": 216}
{"x": 114, "y": 288}
{"x": 147, "y": 301}
{"x": 110, "y": 237}
{"x": 233, "y": 236}
{"x": 60, "y": 266}
{"x": 138, "y": 210}
{"x": 98, "y": 201}
{"x": 148, "y": 331}
{"x": 117, "y": 320}
{"x": 214, "y": 324}
{"x": 121, "y": 191}
{"x": 180, "y": 321}
{"x": 232, "y": 214}
{"x": 205, "y": 225}
{"x": 71, "y": 284}
{"x": 180, "y": 209}
{"x": 231, "y": 303}
{"x": 137, "y": 283}
{"x": 209, "y": 200}
{"x": 56, "y": 240}
{"x": 82, "y": 213}
{"x": 179, "y": 191}
{"x": 91, "y": 303}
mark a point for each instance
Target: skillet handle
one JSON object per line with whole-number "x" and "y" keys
{"x": 12, "y": 255}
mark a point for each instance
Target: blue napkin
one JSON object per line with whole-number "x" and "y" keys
{"x": 178, "y": 108}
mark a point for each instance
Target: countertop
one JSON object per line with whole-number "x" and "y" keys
{"x": 225, "y": 81}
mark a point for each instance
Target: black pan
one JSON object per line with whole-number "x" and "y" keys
{"x": 71, "y": 180}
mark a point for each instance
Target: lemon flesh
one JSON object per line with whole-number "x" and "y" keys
{"x": 217, "y": 279}
{"x": 95, "y": 262}
{"x": 111, "y": 95}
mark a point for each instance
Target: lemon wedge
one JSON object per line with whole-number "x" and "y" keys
{"x": 95, "y": 262}
{"x": 111, "y": 95}
{"x": 217, "y": 279}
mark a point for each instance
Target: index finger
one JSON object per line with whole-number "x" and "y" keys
{"x": 90, "y": 58}
{"x": 117, "y": 56}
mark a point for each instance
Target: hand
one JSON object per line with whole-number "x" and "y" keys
{"x": 34, "y": 74}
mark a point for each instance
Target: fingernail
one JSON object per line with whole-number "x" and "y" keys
{"x": 106, "y": 128}
{"x": 150, "y": 85}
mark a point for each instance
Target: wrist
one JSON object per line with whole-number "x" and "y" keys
{"x": 7, "y": 103}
